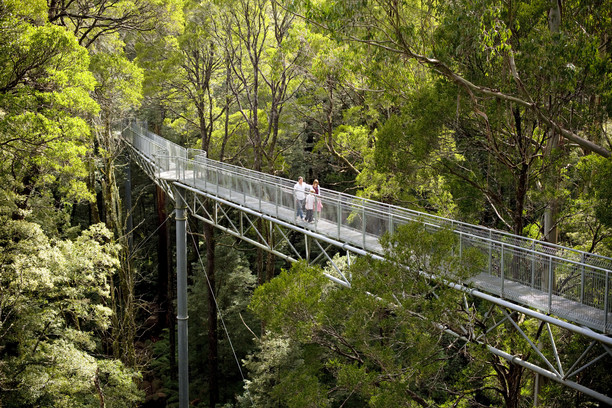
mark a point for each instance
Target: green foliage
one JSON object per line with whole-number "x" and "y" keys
{"x": 377, "y": 341}
{"x": 119, "y": 82}
{"x": 292, "y": 295}
{"x": 44, "y": 98}
{"x": 53, "y": 308}
{"x": 284, "y": 373}
{"x": 408, "y": 156}
{"x": 407, "y": 139}
{"x": 36, "y": 10}
{"x": 587, "y": 221}
{"x": 602, "y": 186}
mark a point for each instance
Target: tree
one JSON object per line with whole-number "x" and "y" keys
{"x": 381, "y": 342}
{"x": 53, "y": 307}
{"x": 91, "y": 20}
{"x": 118, "y": 89}
{"x": 103, "y": 27}
{"x": 52, "y": 323}
{"x": 44, "y": 98}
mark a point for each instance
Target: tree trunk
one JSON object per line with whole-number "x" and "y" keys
{"x": 513, "y": 381}
{"x": 94, "y": 213}
{"x": 520, "y": 196}
{"x": 124, "y": 304}
{"x": 163, "y": 260}
{"x": 550, "y": 213}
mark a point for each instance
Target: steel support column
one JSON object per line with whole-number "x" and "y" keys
{"x": 181, "y": 297}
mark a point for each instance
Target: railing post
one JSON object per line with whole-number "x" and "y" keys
{"x": 490, "y": 254}
{"x": 276, "y": 199}
{"x": 339, "y": 204}
{"x": 533, "y": 264}
{"x": 206, "y": 174}
{"x": 460, "y": 244}
{"x": 363, "y": 225}
{"x": 501, "y": 269}
{"x": 195, "y": 165}
{"x": 582, "y": 278}
{"x": 181, "y": 299}
{"x": 606, "y": 302}
{"x": 550, "y": 282}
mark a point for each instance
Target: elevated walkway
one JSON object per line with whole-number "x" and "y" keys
{"x": 556, "y": 280}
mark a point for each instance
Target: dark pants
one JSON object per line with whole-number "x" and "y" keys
{"x": 309, "y": 215}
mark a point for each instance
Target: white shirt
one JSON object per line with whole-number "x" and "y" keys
{"x": 299, "y": 190}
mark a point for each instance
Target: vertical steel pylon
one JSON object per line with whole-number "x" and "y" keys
{"x": 181, "y": 298}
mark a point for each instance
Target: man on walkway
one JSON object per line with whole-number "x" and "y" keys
{"x": 300, "y": 196}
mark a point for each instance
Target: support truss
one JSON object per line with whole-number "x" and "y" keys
{"x": 545, "y": 346}
{"x": 151, "y": 170}
{"x": 247, "y": 225}
{"x": 545, "y": 359}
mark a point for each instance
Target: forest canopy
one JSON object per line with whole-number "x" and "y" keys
{"x": 489, "y": 112}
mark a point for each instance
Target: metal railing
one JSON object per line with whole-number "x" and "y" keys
{"x": 568, "y": 283}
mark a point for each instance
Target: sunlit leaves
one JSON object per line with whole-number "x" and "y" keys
{"x": 30, "y": 9}
{"x": 44, "y": 98}
{"x": 52, "y": 303}
{"x": 119, "y": 82}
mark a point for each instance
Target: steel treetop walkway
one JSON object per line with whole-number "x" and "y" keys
{"x": 561, "y": 281}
